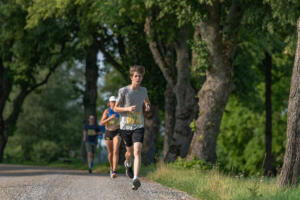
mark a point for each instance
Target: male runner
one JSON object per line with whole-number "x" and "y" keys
{"x": 90, "y": 133}
{"x": 129, "y": 104}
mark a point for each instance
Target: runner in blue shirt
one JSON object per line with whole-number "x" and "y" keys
{"x": 112, "y": 135}
{"x": 90, "y": 134}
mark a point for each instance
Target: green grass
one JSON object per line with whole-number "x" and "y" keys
{"x": 213, "y": 185}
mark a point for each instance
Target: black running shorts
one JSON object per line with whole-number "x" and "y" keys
{"x": 109, "y": 135}
{"x": 132, "y": 136}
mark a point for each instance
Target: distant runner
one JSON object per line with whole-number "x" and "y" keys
{"x": 90, "y": 134}
{"x": 111, "y": 120}
{"x": 130, "y": 102}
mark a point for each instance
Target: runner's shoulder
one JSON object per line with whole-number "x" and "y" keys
{"x": 144, "y": 90}
{"x": 123, "y": 89}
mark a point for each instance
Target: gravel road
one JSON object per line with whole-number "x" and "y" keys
{"x": 32, "y": 183}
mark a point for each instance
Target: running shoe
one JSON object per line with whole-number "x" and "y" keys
{"x": 90, "y": 170}
{"x": 129, "y": 171}
{"x": 136, "y": 184}
{"x": 114, "y": 174}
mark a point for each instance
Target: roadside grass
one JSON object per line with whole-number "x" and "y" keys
{"x": 214, "y": 185}
{"x": 199, "y": 182}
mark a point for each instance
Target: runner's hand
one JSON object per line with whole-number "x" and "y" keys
{"x": 112, "y": 116}
{"x": 132, "y": 108}
{"x": 147, "y": 107}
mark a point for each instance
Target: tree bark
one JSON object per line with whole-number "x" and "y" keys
{"x": 4, "y": 138}
{"x": 290, "y": 172}
{"x": 181, "y": 86}
{"x": 169, "y": 118}
{"x": 215, "y": 91}
{"x": 90, "y": 92}
{"x": 152, "y": 124}
{"x": 185, "y": 98}
{"x": 268, "y": 104}
{"x": 5, "y": 89}
{"x": 91, "y": 78}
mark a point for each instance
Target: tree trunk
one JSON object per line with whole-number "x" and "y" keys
{"x": 180, "y": 83}
{"x": 5, "y": 89}
{"x": 90, "y": 93}
{"x": 4, "y": 138}
{"x": 152, "y": 124}
{"x": 290, "y": 172}
{"x": 169, "y": 118}
{"x": 221, "y": 43}
{"x": 268, "y": 103}
{"x": 91, "y": 78}
{"x": 185, "y": 98}
{"x": 213, "y": 97}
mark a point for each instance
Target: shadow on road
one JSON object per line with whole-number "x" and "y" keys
{"x": 20, "y": 170}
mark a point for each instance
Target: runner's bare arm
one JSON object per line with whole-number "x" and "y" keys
{"x": 104, "y": 118}
{"x": 147, "y": 104}
{"x": 123, "y": 109}
{"x": 84, "y": 135}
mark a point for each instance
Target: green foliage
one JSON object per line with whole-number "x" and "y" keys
{"x": 241, "y": 141}
{"x": 51, "y": 118}
{"x": 192, "y": 164}
{"x": 193, "y": 125}
{"x": 110, "y": 83}
{"x": 285, "y": 12}
{"x": 45, "y": 151}
{"x": 201, "y": 58}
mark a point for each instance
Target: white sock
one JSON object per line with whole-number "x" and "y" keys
{"x": 128, "y": 164}
{"x": 135, "y": 177}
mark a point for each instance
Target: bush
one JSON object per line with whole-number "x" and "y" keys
{"x": 14, "y": 151}
{"x": 45, "y": 151}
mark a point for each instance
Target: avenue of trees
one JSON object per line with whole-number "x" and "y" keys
{"x": 223, "y": 78}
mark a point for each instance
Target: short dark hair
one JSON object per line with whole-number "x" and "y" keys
{"x": 137, "y": 68}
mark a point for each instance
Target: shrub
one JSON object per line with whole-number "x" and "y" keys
{"x": 45, "y": 151}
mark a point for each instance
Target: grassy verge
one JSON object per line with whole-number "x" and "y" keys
{"x": 213, "y": 185}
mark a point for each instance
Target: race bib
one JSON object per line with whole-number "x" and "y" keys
{"x": 91, "y": 132}
{"x": 133, "y": 118}
{"x": 113, "y": 122}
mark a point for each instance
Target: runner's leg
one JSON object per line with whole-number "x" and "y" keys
{"x": 92, "y": 159}
{"x": 137, "y": 147}
{"x": 109, "y": 146}
{"x": 128, "y": 155}
{"x": 116, "y": 145}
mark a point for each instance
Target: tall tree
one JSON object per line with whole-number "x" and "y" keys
{"x": 178, "y": 78}
{"x": 91, "y": 82}
{"x": 268, "y": 104}
{"x": 289, "y": 175}
{"x": 221, "y": 42}
{"x": 22, "y": 58}
{"x": 290, "y": 172}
